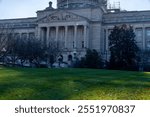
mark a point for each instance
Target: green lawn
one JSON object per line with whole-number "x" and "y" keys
{"x": 68, "y": 84}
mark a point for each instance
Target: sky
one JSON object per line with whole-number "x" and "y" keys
{"x": 27, "y": 8}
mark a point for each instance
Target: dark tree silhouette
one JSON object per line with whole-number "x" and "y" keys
{"x": 6, "y": 35}
{"x": 92, "y": 59}
{"x": 53, "y": 51}
{"x": 123, "y": 48}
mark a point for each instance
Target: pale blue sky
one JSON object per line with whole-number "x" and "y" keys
{"x": 28, "y": 8}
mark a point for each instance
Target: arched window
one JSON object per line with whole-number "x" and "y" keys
{"x": 69, "y": 57}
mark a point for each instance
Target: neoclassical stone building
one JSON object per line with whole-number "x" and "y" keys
{"x": 81, "y": 24}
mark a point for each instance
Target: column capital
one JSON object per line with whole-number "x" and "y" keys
{"x": 75, "y": 26}
{"x": 56, "y": 26}
{"x": 66, "y": 26}
{"x": 143, "y": 27}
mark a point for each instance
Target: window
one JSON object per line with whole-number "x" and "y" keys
{"x": 82, "y": 44}
{"x": 70, "y": 57}
{"x": 139, "y": 32}
{"x": 139, "y": 37}
{"x": 148, "y": 32}
{"x": 148, "y": 38}
{"x": 105, "y": 40}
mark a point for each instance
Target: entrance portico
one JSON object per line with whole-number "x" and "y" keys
{"x": 71, "y": 35}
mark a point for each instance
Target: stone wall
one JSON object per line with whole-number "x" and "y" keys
{"x": 126, "y": 17}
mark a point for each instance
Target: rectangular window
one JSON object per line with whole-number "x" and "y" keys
{"x": 139, "y": 37}
{"x": 82, "y": 44}
{"x": 105, "y": 40}
{"x": 148, "y": 32}
{"x": 148, "y": 38}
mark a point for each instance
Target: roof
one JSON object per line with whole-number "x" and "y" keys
{"x": 19, "y": 20}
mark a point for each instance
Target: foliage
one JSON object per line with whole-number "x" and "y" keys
{"x": 76, "y": 84}
{"x": 18, "y": 51}
{"x": 5, "y": 36}
{"x": 53, "y": 51}
{"x": 92, "y": 59}
{"x": 31, "y": 50}
{"x": 123, "y": 48}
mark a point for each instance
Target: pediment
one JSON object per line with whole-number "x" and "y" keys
{"x": 61, "y": 16}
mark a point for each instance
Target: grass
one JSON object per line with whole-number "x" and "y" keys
{"x": 73, "y": 84}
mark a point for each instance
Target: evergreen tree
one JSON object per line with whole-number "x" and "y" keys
{"x": 92, "y": 59}
{"x": 123, "y": 48}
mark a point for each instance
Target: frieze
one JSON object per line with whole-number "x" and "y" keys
{"x": 60, "y": 17}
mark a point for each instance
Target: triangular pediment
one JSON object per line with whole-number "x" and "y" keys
{"x": 61, "y": 16}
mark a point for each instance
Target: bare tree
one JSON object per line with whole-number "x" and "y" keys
{"x": 6, "y": 34}
{"x": 30, "y": 50}
{"x": 18, "y": 50}
{"x": 53, "y": 51}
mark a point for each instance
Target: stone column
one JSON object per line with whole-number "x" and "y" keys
{"x": 47, "y": 36}
{"x": 85, "y": 37}
{"x": 57, "y": 28}
{"x": 39, "y": 33}
{"x": 144, "y": 39}
{"x": 44, "y": 36}
{"x": 88, "y": 37}
{"x": 75, "y": 36}
{"x": 41, "y": 36}
{"x": 66, "y": 35}
{"x": 107, "y": 43}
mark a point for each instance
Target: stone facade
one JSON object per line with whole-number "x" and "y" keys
{"x": 81, "y": 24}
